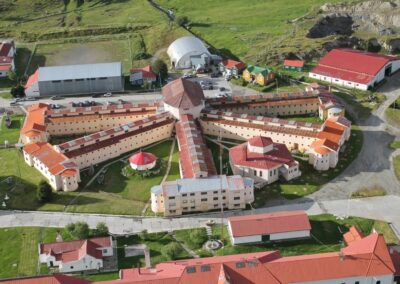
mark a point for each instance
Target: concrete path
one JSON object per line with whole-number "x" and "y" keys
{"x": 381, "y": 208}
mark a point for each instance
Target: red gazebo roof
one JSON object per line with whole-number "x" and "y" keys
{"x": 142, "y": 158}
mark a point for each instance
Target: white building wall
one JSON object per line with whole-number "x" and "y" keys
{"x": 85, "y": 263}
{"x": 33, "y": 91}
{"x": 246, "y": 240}
{"x": 177, "y": 112}
{"x": 384, "y": 279}
{"x": 339, "y": 82}
{"x": 290, "y": 235}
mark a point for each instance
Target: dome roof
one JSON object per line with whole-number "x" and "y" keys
{"x": 186, "y": 45}
{"x": 142, "y": 158}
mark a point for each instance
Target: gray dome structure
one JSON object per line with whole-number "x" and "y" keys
{"x": 188, "y": 52}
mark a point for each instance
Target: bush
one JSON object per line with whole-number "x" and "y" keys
{"x": 18, "y": 91}
{"x": 44, "y": 192}
{"x": 182, "y": 20}
{"x": 79, "y": 230}
{"x": 101, "y": 229}
{"x": 144, "y": 235}
{"x": 198, "y": 237}
{"x": 171, "y": 251}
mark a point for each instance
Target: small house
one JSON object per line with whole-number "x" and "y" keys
{"x": 139, "y": 76}
{"x": 79, "y": 255}
{"x": 231, "y": 67}
{"x": 293, "y": 65}
{"x": 277, "y": 226}
{"x": 7, "y": 55}
{"x": 260, "y": 75}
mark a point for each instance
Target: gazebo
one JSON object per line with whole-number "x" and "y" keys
{"x": 142, "y": 161}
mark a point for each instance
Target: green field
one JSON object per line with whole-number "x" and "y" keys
{"x": 11, "y": 134}
{"x": 19, "y": 249}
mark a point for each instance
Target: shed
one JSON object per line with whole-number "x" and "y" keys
{"x": 296, "y": 65}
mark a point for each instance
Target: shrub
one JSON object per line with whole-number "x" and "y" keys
{"x": 44, "y": 192}
{"x": 171, "y": 251}
{"x": 101, "y": 229}
{"x": 182, "y": 20}
{"x": 79, "y": 230}
{"x": 18, "y": 91}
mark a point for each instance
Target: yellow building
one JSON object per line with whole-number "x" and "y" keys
{"x": 261, "y": 76}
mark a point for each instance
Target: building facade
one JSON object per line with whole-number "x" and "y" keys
{"x": 75, "y": 80}
{"x": 201, "y": 194}
{"x": 256, "y": 74}
{"x": 8, "y": 51}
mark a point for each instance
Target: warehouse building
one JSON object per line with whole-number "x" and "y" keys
{"x": 75, "y": 80}
{"x": 278, "y": 226}
{"x": 354, "y": 68}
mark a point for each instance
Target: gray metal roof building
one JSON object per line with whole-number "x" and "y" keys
{"x": 76, "y": 79}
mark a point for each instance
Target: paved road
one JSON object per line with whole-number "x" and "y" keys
{"x": 373, "y": 166}
{"x": 380, "y": 208}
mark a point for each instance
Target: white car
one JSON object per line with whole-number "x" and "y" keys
{"x": 187, "y": 75}
{"x": 107, "y": 95}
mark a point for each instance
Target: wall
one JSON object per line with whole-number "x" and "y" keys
{"x": 85, "y": 263}
{"x": 340, "y": 82}
{"x": 86, "y": 86}
{"x": 290, "y": 235}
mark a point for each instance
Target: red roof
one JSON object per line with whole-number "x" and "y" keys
{"x": 182, "y": 93}
{"x": 32, "y": 79}
{"x": 5, "y": 67}
{"x": 147, "y": 72}
{"x": 75, "y": 250}
{"x": 142, "y": 158}
{"x": 5, "y": 48}
{"x": 352, "y": 235}
{"x": 48, "y": 279}
{"x": 278, "y": 156}
{"x": 270, "y": 223}
{"x": 293, "y": 63}
{"x": 260, "y": 141}
{"x": 352, "y": 65}
{"x": 229, "y": 63}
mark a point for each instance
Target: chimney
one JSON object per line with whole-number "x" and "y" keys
{"x": 341, "y": 255}
{"x": 147, "y": 257}
{"x": 59, "y": 237}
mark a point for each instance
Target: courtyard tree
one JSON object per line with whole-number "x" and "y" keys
{"x": 18, "y": 91}
{"x": 44, "y": 192}
{"x": 160, "y": 68}
{"x": 182, "y": 20}
{"x": 171, "y": 251}
{"x": 198, "y": 237}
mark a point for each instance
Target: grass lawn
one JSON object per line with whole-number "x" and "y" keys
{"x": 361, "y": 108}
{"x": 369, "y": 192}
{"x": 6, "y": 95}
{"x": 18, "y": 248}
{"x": 6, "y": 84}
{"x": 121, "y": 195}
{"x": 326, "y": 232}
{"x": 78, "y": 53}
{"x": 393, "y": 116}
{"x": 396, "y": 165}
{"x": 155, "y": 242}
{"x": 305, "y": 118}
{"x": 174, "y": 173}
{"x": 395, "y": 145}
{"x": 101, "y": 276}
{"x": 11, "y": 134}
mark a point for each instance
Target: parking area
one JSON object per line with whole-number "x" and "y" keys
{"x": 213, "y": 87}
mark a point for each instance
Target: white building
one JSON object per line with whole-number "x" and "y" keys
{"x": 183, "y": 96}
{"x": 354, "y": 68}
{"x": 278, "y": 226}
{"x": 202, "y": 194}
{"x": 263, "y": 160}
{"x": 75, "y": 256}
{"x": 142, "y": 161}
{"x": 187, "y": 52}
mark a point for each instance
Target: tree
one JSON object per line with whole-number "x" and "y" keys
{"x": 101, "y": 229}
{"x": 144, "y": 234}
{"x": 79, "y": 230}
{"x": 198, "y": 237}
{"x": 44, "y": 192}
{"x": 182, "y": 20}
{"x": 17, "y": 91}
{"x": 160, "y": 68}
{"x": 171, "y": 251}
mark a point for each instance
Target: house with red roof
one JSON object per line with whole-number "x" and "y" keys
{"x": 294, "y": 65}
{"x": 231, "y": 67}
{"x": 354, "y": 68}
{"x": 139, "y": 76}
{"x": 7, "y": 54}
{"x": 277, "y": 226}
{"x": 263, "y": 160}
{"x": 142, "y": 161}
{"x": 79, "y": 255}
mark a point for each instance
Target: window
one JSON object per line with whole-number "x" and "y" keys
{"x": 204, "y": 199}
{"x": 215, "y": 192}
{"x": 215, "y": 198}
{"x": 190, "y": 269}
{"x": 203, "y": 193}
{"x": 103, "y": 78}
{"x": 240, "y": 264}
{"x": 205, "y": 268}
{"x": 171, "y": 197}
{"x": 184, "y": 194}
{"x": 378, "y": 282}
{"x": 252, "y": 264}
{"x": 236, "y": 198}
{"x": 192, "y": 194}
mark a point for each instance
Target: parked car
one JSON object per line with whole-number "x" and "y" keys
{"x": 13, "y": 103}
{"x": 56, "y": 98}
{"x": 31, "y": 98}
{"x": 107, "y": 94}
{"x": 96, "y": 95}
{"x": 121, "y": 101}
{"x": 214, "y": 75}
{"x": 228, "y": 77}
{"x": 187, "y": 75}
{"x": 222, "y": 89}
